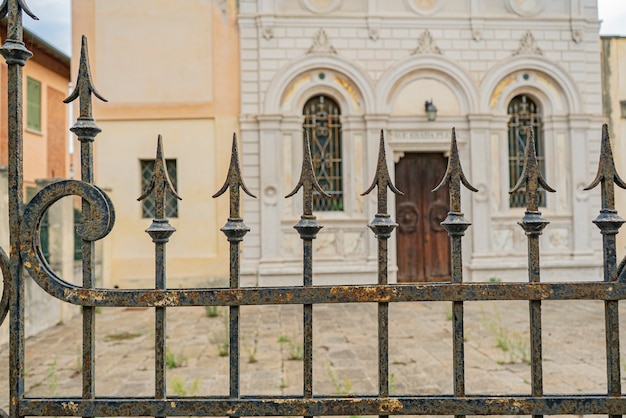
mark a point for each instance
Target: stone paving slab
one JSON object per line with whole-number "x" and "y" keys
{"x": 345, "y": 350}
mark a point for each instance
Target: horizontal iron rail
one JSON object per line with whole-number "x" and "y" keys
{"x": 432, "y": 292}
{"x": 321, "y": 406}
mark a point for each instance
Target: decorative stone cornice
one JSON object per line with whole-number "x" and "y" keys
{"x": 528, "y": 46}
{"x": 426, "y": 44}
{"x": 321, "y": 44}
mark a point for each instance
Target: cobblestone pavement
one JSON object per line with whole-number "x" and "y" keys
{"x": 345, "y": 350}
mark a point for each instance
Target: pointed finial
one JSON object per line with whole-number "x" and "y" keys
{"x": 13, "y": 50}
{"x": 234, "y": 181}
{"x": 20, "y": 4}
{"x": 84, "y": 85}
{"x": 159, "y": 182}
{"x": 454, "y": 176}
{"x": 381, "y": 178}
{"x": 531, "y": 175}
{"x": 607, "y": 174}
{"x": 307, "y": 181}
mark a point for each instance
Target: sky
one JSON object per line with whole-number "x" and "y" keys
{"x": 55, "y": 20}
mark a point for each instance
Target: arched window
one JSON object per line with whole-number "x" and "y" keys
{"x": 322, "y": 121}
{"x": 524, "y": 114}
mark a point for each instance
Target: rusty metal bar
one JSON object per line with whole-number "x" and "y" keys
{"x": 533, "y": 224}
{"x": 86, "y": 130}
{"x": 16, "y": 54}
{"x": 160, "y": 231}
{"x": 587, "y": 404}
{"x": 235, "y": 230}
{"x": 308, "y": 228}
{"x": 609, "y": 222}
{"x": 456, "y": 225}
{"x": 382, "y": 226}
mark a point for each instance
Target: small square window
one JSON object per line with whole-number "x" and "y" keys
{"x": 33, "y": 104}
{"x": 148, "y": 205}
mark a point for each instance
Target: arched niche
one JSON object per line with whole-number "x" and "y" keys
{"x": 294, "y": 83}
{"x": 440, "y": 70}
{"x": 534, "y": 75}
{"x": 409, "y": 98}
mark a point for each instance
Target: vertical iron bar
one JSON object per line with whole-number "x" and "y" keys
{"x": 609, "y": 222}
{"x": 308, "y": 320}
{"x": 308, "y": 228}
{"x": 456, "y": 225}
{"x": 86, "y": 130}
{"x": 533, "y": 224}
{"x": 382, "y": 226}
{"x": 16, "y": 55}
{"x": 160, "y": 231}
{"x": 235, "y": 230}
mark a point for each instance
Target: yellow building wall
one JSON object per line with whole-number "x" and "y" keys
{"x": 172, "y": 71}
{"x": 614, "y": 90}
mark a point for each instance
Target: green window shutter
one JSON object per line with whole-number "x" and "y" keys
{"x": 33, "y": 110}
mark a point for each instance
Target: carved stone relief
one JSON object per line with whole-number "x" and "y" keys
{"x": 426, "y": 44}
{"x": 528, "y": 46}
{"x": 321, "y": 44}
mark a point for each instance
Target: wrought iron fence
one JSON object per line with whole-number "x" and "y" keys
{"x": 97, "y": 222}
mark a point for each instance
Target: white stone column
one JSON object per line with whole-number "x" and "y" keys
{"x": 271, "y": 191}
{"x": 581, "y": 204}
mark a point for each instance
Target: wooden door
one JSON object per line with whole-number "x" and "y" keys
{"x": 423, "y": 244}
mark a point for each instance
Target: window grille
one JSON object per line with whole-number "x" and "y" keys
{"x": 322, "y": 121}
{"x": 524, "y": 114}
{"x": 148, "y": 204}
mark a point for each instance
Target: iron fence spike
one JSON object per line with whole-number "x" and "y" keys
{"x": 607, "y": 173}
{"x": 454, "y": 174}
{"x": 84, "y": 84}
{"x": 307, "y": 180}
{"x": 20, "y": 4}
{"x": 531, "y": 175}
{"x": 234, "y": 177}
{"x": 381, "y": 177}
{"x": 159, "y": 175}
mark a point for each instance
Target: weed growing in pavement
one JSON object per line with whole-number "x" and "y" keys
{"x": 513, "y": 344}
{"x": 251, "y": 349}
{"x": 211, "y": 311}
{"x": 52, "y": 380}
{"x": 174, "y": 360}
{"x": 121, "y": 336}
{"x": 295, "y": 350}
{"x": 180, "y": 388}
{"x": 220, "y": 339}
{"x": 341, "y": 388}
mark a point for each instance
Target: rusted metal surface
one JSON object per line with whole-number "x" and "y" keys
{"x": 382, "y": 226}
{"x": 456, "y": 225}
{"x": 235, "y": 229}
{"x": 98, "y": 221}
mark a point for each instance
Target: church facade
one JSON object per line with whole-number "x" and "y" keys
{"x": 343, "y": 70}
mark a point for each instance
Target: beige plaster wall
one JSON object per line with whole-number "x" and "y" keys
{"x": 614, "y": 91}
{"x": 196, "y": 244}
{"x": 164, "y": 54}
{"x": 173, "y": 71}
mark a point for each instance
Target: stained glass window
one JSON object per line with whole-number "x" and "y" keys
{"x": 524, "y": 114}
{"x": 322, "y": 121}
